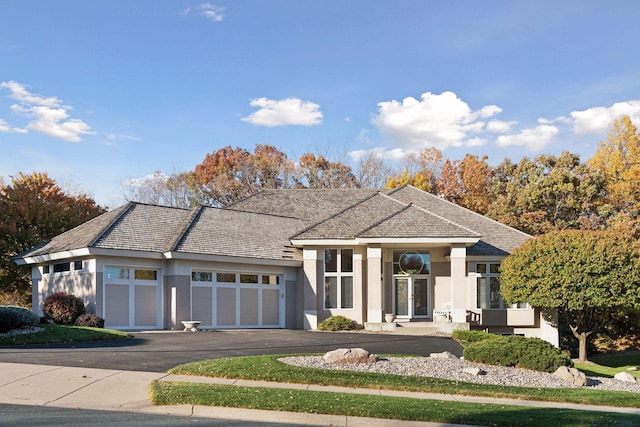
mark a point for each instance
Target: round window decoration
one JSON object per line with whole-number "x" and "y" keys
{"x": 411, "y": 263}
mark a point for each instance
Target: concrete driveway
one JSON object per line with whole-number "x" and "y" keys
{"x": 160, "y": 351}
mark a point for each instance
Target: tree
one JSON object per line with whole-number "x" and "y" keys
{"x": 545, "y": 194}
{"x": 585, "y": 275}
{"x": 230, "y": 174}
{"x": 33, "y": 209}
{"x": 467, "y": 182}
{"x": 421, "y": 171}
{"x": 318, "y": 172}
{"x": 371, "y": 171}
{"x": 618, "y": 159}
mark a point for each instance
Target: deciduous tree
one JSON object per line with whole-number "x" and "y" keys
{"x": 585, "y": 275}
{"x": 545, "y": 194}
{"x": 318, "y": 172}
{"x": 618, "y": 160}
{"x": 467, "y": 182}
{"x": 33, "y": 209}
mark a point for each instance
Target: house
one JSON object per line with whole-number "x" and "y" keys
{"x": 290, "y": 259}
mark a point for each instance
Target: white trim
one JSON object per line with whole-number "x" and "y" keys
{"x": 387, "y": 240}
{"x": 231, "y": 259}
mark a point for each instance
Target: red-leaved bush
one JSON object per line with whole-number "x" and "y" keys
{"x": 63, "y": 308}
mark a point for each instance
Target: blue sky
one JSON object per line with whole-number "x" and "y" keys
{"x": 99, "y": 92}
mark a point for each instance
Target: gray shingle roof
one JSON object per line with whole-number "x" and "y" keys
{"x": 261, "y": 225}
{"x": 497, "y": 238}
{"x": 241, "y": 234}
{"x": 310, "y": 206}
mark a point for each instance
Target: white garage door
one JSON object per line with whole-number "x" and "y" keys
{"x": 132, "y": 298}
{"x": 237, "y": 300}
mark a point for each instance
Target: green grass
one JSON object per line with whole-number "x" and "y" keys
{"x": 386, "y": 407}
{"x": 268, "y": 368}
{"x": 609, "y": 364}
{"x": 53, "y": 334}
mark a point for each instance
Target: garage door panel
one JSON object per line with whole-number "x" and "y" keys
{"x": 116, "y": 305}
{"x": 202, "y": 305}
{"x": 146, "y": 305}
{"x": 270, "y": 307}
{"x": 226, "y": 307}
{"x": 249, "y": 307}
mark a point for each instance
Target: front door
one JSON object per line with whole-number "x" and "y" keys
{"x": 411, "y": 297}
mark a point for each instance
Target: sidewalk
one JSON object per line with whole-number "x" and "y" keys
{"x": 117, "y": 390}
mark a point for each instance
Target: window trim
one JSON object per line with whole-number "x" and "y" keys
{"x": 487, "y": 276}
{"x": 339, "y": 275}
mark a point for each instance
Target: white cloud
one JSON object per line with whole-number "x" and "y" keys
{"x": 20, "y": 93}
{"x": 289, "y": 111}
{"x": 499, "y": 126}
{"x": 210, "y": 11}
{"x": 4, "y": 126}
{"x": 45, "y": 115}
{"x": 598, "y": 120}
{"x": 379, "y": 152}
{"x": 533, "y": 139}
{"x": 435, "y": 120}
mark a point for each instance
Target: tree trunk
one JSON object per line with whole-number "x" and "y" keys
{"x": 582, "y": 342}
{"x": 582, "y": 347}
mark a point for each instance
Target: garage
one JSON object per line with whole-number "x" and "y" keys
{"x": 237, "y": 300}
{"x": 132, "y": 298}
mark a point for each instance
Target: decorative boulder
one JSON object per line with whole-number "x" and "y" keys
{"x": 474, "y": 371}
{"x": 443, "y": 355}
{"x": 571, "y": 375}
{"x": 626, "y": 377}
{"x": 343, "y": 356}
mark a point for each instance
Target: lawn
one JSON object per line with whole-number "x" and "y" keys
{"x": 386, "y": 407}
{"x": 268, "y": 368}
{"x": 53, "y": 334}
{"x": 609, "y": 364}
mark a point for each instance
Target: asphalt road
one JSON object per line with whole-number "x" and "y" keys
{"x": 161, "y": 351}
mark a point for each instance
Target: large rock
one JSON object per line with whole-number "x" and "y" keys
{"x": 626, "y": 377}
{"x": 443, "y": 355}
{"x": 571, "y": 375}
{"x": 343, "y": 356}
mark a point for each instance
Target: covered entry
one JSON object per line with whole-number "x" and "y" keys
{"x": 132, "y": 298}
{"x": 237, "y": 300}
{"x": 411, "y": 284}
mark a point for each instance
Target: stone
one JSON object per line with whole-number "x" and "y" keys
{"x": 626, "y": 377}
{"x": 571, "y": 375}
{"x": 474, "y": 371}
{"x": 443, "y": 355}
{"x": 634, "y": 368}
{"x": 343, "y": 356}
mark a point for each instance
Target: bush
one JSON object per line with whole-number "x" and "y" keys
{"x": 8, "y": 321}
{"x": 527, "y": 353}
{"x": 23, "y": 316}
{"x": 91, "y": 320}
{"x": 468, "y": 336}
{"x": 337, "y": 323}
{"x": 63, "y": 308}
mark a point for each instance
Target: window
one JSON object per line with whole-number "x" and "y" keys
{"x": 145, "y": 274}
{"x": 116, "y": 273}
{"x": 411, "y": 262}
{"x": 202, "y": 276}
{"x": 226, "y": 277}
{"x": 338, "y": 278}
{"x": 62, "y": 267}
{"x": 488, "y": 294}
{"x": 77, "y": 265}
{"x": 46, "y": 269}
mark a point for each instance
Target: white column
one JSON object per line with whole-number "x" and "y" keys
{"x": 375, "y": 298}
{"x": 310, "y": 267}
{"x": 459, "y": 304}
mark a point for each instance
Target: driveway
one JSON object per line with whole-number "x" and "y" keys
{"x": 160, "y": 351}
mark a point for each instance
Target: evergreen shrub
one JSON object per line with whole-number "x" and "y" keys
{"x": 521, "y": 352}
{"x": 337, "y": 323}
{"x": 23, "y": 316}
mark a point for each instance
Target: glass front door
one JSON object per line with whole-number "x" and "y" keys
{"x": 411, "y": 297}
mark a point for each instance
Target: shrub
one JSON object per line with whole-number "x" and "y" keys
{"x": 8, "y": 321}
{"x": 337, "y": 323}
{"x": 24, "y": 316}
{"x": 468, "y": 336}
{"x": 91, "y": 320}
{"x": 63, "y": 308}
{"x": 527, "y": 353}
